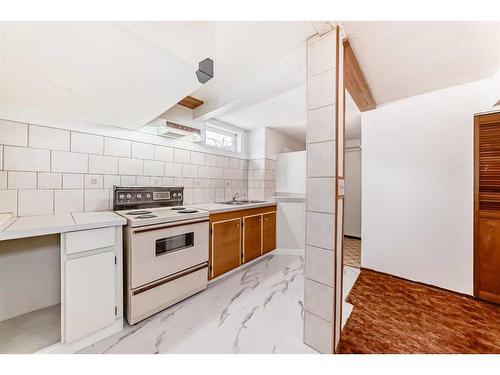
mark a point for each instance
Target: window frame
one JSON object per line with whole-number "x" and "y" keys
{"x": 225, "y": 132}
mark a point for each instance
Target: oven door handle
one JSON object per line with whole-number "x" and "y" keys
{"x": 150, "y": 228}
{"x": 170, "y": 278}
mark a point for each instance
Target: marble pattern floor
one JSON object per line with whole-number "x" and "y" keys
{"x": 258, "y": 309}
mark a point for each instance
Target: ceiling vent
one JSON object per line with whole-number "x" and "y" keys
{"x": 180, "y": 132}
{"x": 205, "y": 70}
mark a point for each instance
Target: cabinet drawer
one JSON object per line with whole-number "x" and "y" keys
{"x": 85, "y": 240}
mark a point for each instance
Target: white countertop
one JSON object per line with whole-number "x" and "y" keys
{"x": 221, "y": 207}
{"x": 12, "y": 227}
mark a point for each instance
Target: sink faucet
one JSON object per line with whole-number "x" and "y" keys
{"x": 235, "y": 196}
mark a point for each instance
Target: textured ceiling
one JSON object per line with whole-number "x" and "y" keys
{"x": 402, "y": 59}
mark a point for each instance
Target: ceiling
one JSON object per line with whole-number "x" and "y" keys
{"x": 128, "y": 73}
{"x": 402, "y": 59}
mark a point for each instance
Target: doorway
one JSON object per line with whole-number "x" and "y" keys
{"x": 352, "y": 199}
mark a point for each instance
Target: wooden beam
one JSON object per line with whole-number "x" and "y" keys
{"x": 191, "y": 102}
{"x": 354, "y": 80}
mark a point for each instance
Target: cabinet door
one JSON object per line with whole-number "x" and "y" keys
{"x": 269, "y": 235}
{"x": 226, "y": 246}
{"x": 487, "y": 207}
{"x": 89, "y": 294}
{"x": 252, "y": 237}
{"x": 488, "y": 259}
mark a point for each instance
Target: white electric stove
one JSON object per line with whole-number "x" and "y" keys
{"x": 165, "y": 248}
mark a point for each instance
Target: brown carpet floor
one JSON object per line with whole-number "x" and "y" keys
{"x": 392, "y": 315}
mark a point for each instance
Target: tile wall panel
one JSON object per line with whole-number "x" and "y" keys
{"x": 71, "y": 171}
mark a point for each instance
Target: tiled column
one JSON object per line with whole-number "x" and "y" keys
{"x": 324, "y": 208}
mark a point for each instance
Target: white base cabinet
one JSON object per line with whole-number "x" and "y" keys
{"x": 91, "y": 287}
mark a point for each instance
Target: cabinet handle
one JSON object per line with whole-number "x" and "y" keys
{"x": 237, "y": 225}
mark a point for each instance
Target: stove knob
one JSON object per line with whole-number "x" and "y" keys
{"x": 148, "y": 196}
{"x": 129, "y": 196}
{"x": 175, "y": 195}
{"x": 121, "y": 196}
{"x": 138, "y": 196}
{"x": 179, "y": 195}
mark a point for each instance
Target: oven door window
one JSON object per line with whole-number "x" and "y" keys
{"x": 174, "y": 243}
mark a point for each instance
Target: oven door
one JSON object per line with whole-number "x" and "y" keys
{"x": 157, "y": 252}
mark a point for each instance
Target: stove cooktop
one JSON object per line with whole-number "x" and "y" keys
{"x": 158, "y": 215}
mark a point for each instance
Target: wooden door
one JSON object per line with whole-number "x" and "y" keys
{"x": 252, "y": 237}
{"x": 90, "y": 297}
{"x": 269, "y": 232}
{"x": 487, "y": 207}
{"x": 225, "y": 246}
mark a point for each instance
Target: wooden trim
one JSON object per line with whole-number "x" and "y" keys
{"x": 476, "y": 207}
{"x": 354, "y": 80}
{"x": 190, "y": 102}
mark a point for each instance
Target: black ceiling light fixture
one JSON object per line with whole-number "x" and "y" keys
{"x": 205, "y": 70}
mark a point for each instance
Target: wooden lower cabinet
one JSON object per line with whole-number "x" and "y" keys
{"x": 487, "y": 258}
{"x": 237, "y": 237}
{"x": 269, "y": 232}
{"x": 252, "y": 237}
{"x": 225, "y": 246}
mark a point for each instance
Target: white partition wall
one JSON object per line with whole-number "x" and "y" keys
{"x": 324, "y": 217}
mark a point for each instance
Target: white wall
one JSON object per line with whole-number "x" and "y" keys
{"x": 352, "y": 217}
{"x": 291, "y": 172}
{"x": 417, "y": 185}
{"x": 277, "y": 142}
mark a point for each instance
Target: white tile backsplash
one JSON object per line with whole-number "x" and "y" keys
{"x": 94, "y": 181}
{"x": 164, "y": 153}
{"x": 49, "y": 180}
{"x": 76, "y": 171}
{"x": 26, "y": 159}
{"x": 8, "y": 201}
{"x": 49, "y": 138}
{"x": 182, "y": 156}
{"x": 111, "y": 180}
{"x": 73, "y": 181}
{"x": 13, "y": 133}
{"x": 189, "y": 170}
{"x": 103, "y": 164}
{"x": 173, "y": 169}
{"x": 21, "y": 180}
{"x": 154, "y": 168}
{"x": 3, "y": 180}
{"x": 87, "y": 143}
{"x": 96, "y": 200}
{"x": 128, "y": 166}
{"x": 35, "y": 202}
{"x": 66, "y": 201}
{"x": 71, "y": 162}
{"x": 117, "y": 147}
{"x": 143, "y": 151}
{"x": 197, "y": 158}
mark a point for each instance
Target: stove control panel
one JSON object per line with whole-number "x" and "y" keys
{"x": 146, "y": 197}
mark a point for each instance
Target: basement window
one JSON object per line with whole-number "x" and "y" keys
{"x": 220, "y": 138}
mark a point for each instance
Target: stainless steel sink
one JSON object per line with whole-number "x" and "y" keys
{"x": 240, "y": 202}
